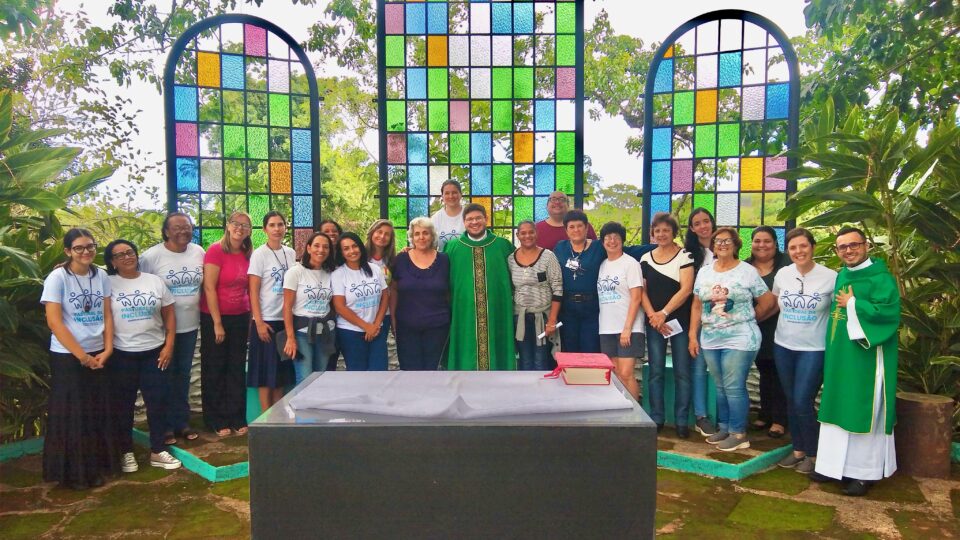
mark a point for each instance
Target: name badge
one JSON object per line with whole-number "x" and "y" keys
{"x": 573, "y": 264}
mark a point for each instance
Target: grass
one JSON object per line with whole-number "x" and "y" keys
{"x": 921, "y": 526}
{"x": 777, "y": 515}
{"x": 28, "y": 526}
{"x": 780, "y": 480}
{"x": 234, "y": 489}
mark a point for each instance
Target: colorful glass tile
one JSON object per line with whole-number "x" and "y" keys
{"x": 232, "y": 71}
{"x": 661, "y": 143}
{"x": 729, "y": 140}
{"x": 544, "y": 179}
{"x": 417, "y": 178}
{"x": 778, "y": 100}
{"x": 416, "y": 18}
{"x": 396, "y": 51}
{"x": 707, "y": 71}
{"x": 566, "y": 83}
{"x": 730, "y": 69}
{"x": 502, "y": 18}
{"x": 660, "y": 176}
{"x": 185, "y": 103}
{"x": 480, "y": 180}
{"x": 566, "y": 178}
{"x": 751, "y": 174}
{"x": 279, "y": 78}
{"x": 566, "y": 51}
{"x": 208, "y": 69}
{"x": 254, "y": 40}
{"x": 279, "y": 110}
{"x": 280, "y": 177}
{"x": 394, "y": 19}
{"x": 705, "y": 141}
{"x": 664, "y": 79}
{"x": 566, "y": 147}
{"x": 416, "y": 148}
{"x": 234, "y": 142}
{"x": 187, "y": 175}
{"x": 774, "y": 165}
{"x": 437, "y": 18}
{"x": 683, "y": 108}
{"x": 682, "y": 175}
{"x": 753, "y": 103}
{"x": 459, "y": 116}
{"x": 566, "y": 18}
{"x": 706, "y": 106}
{"x": 300, "y": 143}
{"x": 302, "y": 179}
{"x": 302, "y": 211}
{"x": 437, "y": 51}
{"x": 523, "y": 147}
{"x": 186, "y": 139}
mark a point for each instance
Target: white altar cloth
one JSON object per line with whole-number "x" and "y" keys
{"x": 453, "y": 394}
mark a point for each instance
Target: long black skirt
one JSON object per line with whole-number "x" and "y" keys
{"x": 79, "y": 444}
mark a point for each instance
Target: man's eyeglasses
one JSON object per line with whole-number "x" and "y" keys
{"x": 242, "y": 226}
{"x": 852, "y": 246}
{"x": 89, "y": 248}
{"x": 557, "y": 199}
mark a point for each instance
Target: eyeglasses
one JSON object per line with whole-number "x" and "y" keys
{"x": 557, "y": 199}
{"x": 186, "y": 229}
{"x": 128, "y": 254}
{"x": 242, "y": 226}
{"x": 723, "y": 241}
{"x": 475, "y": 219}
{"x": 89, "y": 248}
{"x": 852, "y": 246}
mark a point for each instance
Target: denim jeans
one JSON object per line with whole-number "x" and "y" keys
{"x": 533, "y": 357}
{"x": 581, "y": 326}
{"x": 312, "y": 357}
{"x": 178, "y": 381}
{"x": 680, "y": 355}
{"x": 729, "y": 368}
{"x": 362, "y": 355}
{"x": 801, "y": 375}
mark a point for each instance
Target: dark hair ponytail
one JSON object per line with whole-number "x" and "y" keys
{"x": 691, "y": 243}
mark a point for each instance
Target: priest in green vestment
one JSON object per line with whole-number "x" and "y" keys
{"x": 857, "y": 408}
{"x": 481, "y": 329}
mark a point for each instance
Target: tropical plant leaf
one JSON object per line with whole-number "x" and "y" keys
{"x": 31, "y": 137}
{"x": 925, "y": 158}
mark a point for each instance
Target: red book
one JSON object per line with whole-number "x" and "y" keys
{"x": 583, "y": 368}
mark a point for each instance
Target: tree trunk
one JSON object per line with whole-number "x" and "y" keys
{"x": 923, "y": 434}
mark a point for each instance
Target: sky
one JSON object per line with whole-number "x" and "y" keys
{"x": 604, "y": 138}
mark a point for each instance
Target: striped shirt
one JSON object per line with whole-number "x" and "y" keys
{"x": 537, "y": 285}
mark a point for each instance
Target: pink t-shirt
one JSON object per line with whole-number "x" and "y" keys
{"x": 232, "y": 294}
{"x": 548, "y": 235}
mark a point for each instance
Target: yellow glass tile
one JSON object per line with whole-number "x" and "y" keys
{"x": 669, "y": 53}
{"x": 208, "y": 69}
{"x": 751, "y": 174}
{"x": 437, "y": 50}
{"x": 523, "y": 147}
{"x": 280, "y": 177}
{"x": 486, "y": 202}
{"x": 706, "y": 106}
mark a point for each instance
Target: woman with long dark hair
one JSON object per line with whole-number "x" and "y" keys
{"x": 307, "y": 292}
{"x": 700, "y": 229}
{"x": 360, "y": 298}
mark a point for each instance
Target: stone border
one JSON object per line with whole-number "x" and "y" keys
{"x": 22, "y": 448}
{"x": 720, "y": 469}
{"x": 194, "y": 464}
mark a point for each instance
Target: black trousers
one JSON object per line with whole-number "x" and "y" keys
{"x": 223, "y": 391}
{"x": 422, "y": 349}
{"x": 773, "y": 402}
{"x": 131, "y": 371}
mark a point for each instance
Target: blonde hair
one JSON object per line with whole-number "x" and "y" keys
{"x": 246, "y": 246}
{"x": 424, "y": 223}
{"x": 390, "y": 251}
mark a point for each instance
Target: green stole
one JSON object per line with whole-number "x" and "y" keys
{"x": 481, "y": 329}
{"x": 849, "y": 367}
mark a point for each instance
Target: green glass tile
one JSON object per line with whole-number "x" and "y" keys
{"x": 729, "y": 144}
{"x": 566, "y": 51}
{"x": 683, "y": 108}
{"x": 395, "y": 51}
{"x": 234, "y": 176}
{"x": 566, "y": 149}
{"x": 437, "y": 83}
{"x": 233, "y": 107}
{"x": 705, "y": 141}
{"x": 258, "y": 176}
{"x": 745, "y": 233}
{"x": 210, "y": 236}
{"x": 503, "y": 116}
{"x": 502, "y": 179}
{"x": 523, "y": 83}
{"x": 397, "y": 209}
{"x": 566, "y": 17}
{"x": 565, "y": 177}
{"x": 459, "y": 148}
{"x": 279, "y": 110}
{"x": 258, "y": 237}
{"x": 256, "y": 143}
{"x": 437, "y": 116}
{"x": 259, "y": 206}
{"x": 401, "y": 234}
{"x": 396, "y": 116}
{"x": 300, "y": 111}
{"x": 256, "y": 108}
{"x": 234, "y": 142}
{"x": 522, "y": 209}
{"x": 705, "y": 200}
{"x": 502, "y": 83}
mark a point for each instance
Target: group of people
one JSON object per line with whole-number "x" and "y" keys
{"x": 459, "y": 297}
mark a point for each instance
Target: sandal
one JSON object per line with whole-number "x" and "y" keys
{"x": 242, "y": 430}
{"x": 189, "y": 434}
{"x": 225, "y": 432}
{"x": 169, "y": 439}
{"x": 775, "y": 434}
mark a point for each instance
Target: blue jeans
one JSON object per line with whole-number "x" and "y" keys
{"x": 361, "y": 355}
{"x": 312, "y": 357}
{"x": 581, "y": 326}
{"x": 698, "y": 376}
{"x": 680, "y": 355}
{"x": 178, "y": 382}
{"x": 729, "y": 368}
{"x": 533, "y": 357}
{"x": 801, "y": 375}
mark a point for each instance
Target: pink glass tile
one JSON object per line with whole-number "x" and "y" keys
{"x": 566, "y": 83}
{"x": 186, "y": 139}
{"x": 255, "y": 40}
{"x": 396, "y": 148}
{"x": 300, "y": 240}
{"x": 773, "y": 165}
{"x": 394, "y": 18}
{"x": 682, "y": 175}
{"x": 459, "y": 116}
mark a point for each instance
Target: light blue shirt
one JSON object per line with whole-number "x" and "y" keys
{"x": 73, "y": 292}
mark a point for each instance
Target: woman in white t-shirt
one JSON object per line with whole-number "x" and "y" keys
{"x": 144, "y": 329}
{"x": 619, "y": 292}
{"x": 448, "y": 220}
{"x": 360, "y": 299}
{"x": 268, "y": 264}
{"x": 804, "y": 292}
{"x": 700, "y": 228}
{"x": 307, "y": 315}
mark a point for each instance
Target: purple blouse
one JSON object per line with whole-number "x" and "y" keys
{"x": 422, "y": 294}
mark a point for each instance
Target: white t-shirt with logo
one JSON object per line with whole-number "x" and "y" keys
{"x": 804, "y": 307}
{"x": 73, "y": 293}
{"x": 183, "y": 275}
{"x": 614, "y": 282}
{"x": 270, "y": 266}
{"x": 313, "y": 291}
{"x": 360, "y": 291}
{"x": 136, "y": 303}
{"x": 447, "y": 227}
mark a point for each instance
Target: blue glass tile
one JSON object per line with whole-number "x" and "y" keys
{"x": 417, "y": 83}
{"x": 480, "y": 149}
{"x": 778, "y": 100}
{"x": 480, "y": 180}
{"x": 544, "y": 116}
{"x": 300, "y": 143}
{"x": 231, "y": 67}
{"x": 417, "y": 180}
{"x": 196, "y": 235}
{"x": 540, "y": 208}
{"x": 664, "y": 79}
{"x": 416, "y": 207}
{"x": 437, "y": 18}
{"x": 185, "y": 103}
{"x": 416, "y": 19}
{"x": 659, "y": 203}
{"x": 543, "y": 179}
{"x": 502, "y": 19}
{"x": 302, "y": 179}
{"x": 781, "y": 235}
{"x": 660, "y": 177}
{"x": 661, "y": 143}
{"x": 188, "y": 177}
{"x": 523, "y": 18}
{"x": 302, "y": 211}
{"x": 730, "y": 69}
{"x": 417, "y": 148}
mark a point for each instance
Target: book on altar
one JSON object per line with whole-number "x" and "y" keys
{"x": 582, "y": 368}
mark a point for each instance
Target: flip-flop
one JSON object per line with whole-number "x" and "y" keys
{"x": 241, "y": 430}
{"x": 189, "y": 434}
{"x": 225, "y": 432}
{"x": 169, "y": 439}
{"x": 775, "y": 434}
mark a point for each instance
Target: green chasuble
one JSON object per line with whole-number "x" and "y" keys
{"x": 849, "y": 367}
{"x": 481, "y": 329}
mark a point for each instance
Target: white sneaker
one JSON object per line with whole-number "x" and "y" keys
{"x": 164, "y": 460}
{"x": 128, "y": 463}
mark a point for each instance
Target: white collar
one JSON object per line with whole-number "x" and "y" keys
{"x": 862, "y": 265}
{"x": 477, "y": 238}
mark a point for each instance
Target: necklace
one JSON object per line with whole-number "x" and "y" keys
{"x": 283, "y": 265}
{"x": 88, "y": 294}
